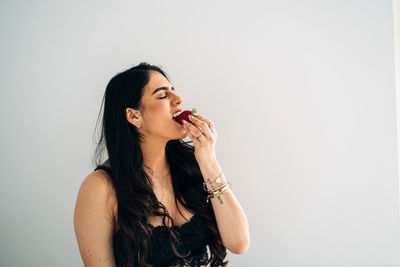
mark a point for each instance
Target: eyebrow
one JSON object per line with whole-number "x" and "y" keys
{"x": 161, "y": 88}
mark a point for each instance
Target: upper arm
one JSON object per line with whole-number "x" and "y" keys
{"x": 93, "y": 221}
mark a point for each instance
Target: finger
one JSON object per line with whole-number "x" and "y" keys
{"x": 192, "y": 131}
{"x": 209, "y": 123}
{"x": 194, "y": 126}
{"x": 203, "y": 125}
{"x": 192, "y": 137}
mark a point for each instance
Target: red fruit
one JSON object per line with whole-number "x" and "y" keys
{"x": 185, "y": 115}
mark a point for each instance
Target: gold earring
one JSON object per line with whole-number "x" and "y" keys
{"x": 138, "y": 125}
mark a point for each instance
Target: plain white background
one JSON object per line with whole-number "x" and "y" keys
{"x": 302, "y": 94}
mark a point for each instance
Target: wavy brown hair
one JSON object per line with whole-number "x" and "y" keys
{"x": 133, "y": 187}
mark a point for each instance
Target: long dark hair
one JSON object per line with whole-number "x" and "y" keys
{"x": 133, "y": 187}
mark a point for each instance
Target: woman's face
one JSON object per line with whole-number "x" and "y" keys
{"x": 159, "y": 102}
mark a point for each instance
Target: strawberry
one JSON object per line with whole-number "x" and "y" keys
{"x": 185, "y": 115}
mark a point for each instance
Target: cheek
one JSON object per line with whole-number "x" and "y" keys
{"x": 158, "y": 113}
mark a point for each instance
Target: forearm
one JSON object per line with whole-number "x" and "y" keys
{"x": 231, "y": 220}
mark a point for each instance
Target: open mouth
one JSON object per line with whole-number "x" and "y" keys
{"x": 176, "y": 115}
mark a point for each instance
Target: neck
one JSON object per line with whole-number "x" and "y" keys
{"x": 155, "y": 161}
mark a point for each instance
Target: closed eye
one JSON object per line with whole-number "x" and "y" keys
{"x": 173, "y": 89}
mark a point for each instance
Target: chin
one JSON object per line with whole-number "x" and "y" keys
{"x": 183, "y": 135}
{"x": 179, "y": 134}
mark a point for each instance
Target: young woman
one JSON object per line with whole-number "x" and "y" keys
{"x": 156, "y": 200}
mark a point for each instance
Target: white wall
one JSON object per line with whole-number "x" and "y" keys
{"x": 396, "y": 37}
{"x": 302, "y": 94}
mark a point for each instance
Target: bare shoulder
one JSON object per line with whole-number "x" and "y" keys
{"x": 101, "y": 181}
{"x": 98, "y": 190}
{"x": 93, "y": 219}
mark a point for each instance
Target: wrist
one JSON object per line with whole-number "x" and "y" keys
{"x": 213, "y": 176}
{"x": 210, "y": 169}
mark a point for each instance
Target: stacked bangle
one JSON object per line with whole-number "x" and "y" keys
{"x": 218, "y": 191}
{"x": 217, "y": 180}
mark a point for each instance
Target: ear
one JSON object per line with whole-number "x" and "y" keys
{"x": 132, "y": 115}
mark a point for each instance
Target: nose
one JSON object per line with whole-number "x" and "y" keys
{"x": 179, "y": 99}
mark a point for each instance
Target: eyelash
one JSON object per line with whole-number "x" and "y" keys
{"x": 164, "y": 96}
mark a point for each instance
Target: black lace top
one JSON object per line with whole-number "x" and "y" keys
{"x": 192, "y": 236}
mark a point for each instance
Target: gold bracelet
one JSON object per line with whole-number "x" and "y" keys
{"x": 219, "y": 192}
{"x": 217, "y": 180}
{"x": 216, "y": 189}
